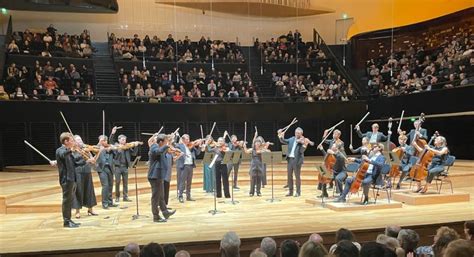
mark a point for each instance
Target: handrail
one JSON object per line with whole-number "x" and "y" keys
{"x": 350, "y": 77}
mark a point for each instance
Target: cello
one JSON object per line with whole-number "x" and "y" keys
{"x": 325, "y": 175}
{"x": 359, "y": 177}
{"x": 419, "y": 171}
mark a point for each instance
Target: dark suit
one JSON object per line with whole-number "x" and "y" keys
{"x": 339, "y": 169}
{"x": 222, "y": 176}
{"x": 405, "y": 165}
{"x": 294, "y": 163}
{"x": 67, "y": 179}
{"x": 185, "y": 171}
{"x": 411, "y": 135}
{"x": 168, "y": 168}
{"x": 104, "y": 166}
{"x": 122, "y": 161}
{"x": 156, "y": 175}
{"x": 369, "y": 179}
{"x": 380, "y": 137}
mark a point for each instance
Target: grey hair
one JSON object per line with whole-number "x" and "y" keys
{"x": 123, "y": 254}
{"x": 103, "y": 137}
{"x": 443, "y": 140}
{"x": 122, "y": 136}
{"x": 132, "y": 248}
{"x": 182, "y": 253}
{"x": 408, "y": 239}
{"x": 298, "y": 129}
{"x": 268, "y": 246}
{"x": 230, "y": 244}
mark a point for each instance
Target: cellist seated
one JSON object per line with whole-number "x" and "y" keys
{"x": 369, "y": 176}
{"x": 440, "y": 153}
{"x": 338, "y": 168}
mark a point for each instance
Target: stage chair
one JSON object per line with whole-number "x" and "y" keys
{"x": 443, "y": 177}
{"x": 386, "y": 184}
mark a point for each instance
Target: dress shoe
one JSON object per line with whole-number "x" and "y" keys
{"x": 190, "y": 199}
{"x": 113, "y": 205}
{"x": 69, "y": 224}
{"x": 117, "y": 199}
{"x": 286, "y": 186}
{"x": 289, "y": 194}
{"x": 297, "y": 195}
{"x": 75, "y": 223}
{"x": 236, "y": 188}
{"x": 227, "y": 196}
{"x": 159, "y": 219}
{"x": 219, "y": 196}
{"x": 340, "y": 200}
{"x": 320, "y": 186}
{"x": 180, "y": 199}
{"x": 251, "y": 194}
{"x": 366, "y": 201}
{"x": 126, "y": 199}
{"x": 259, "y": 194}
{"x": 105, "y": 207}
{"x": 92, "y": 213}
{"x": 168, "y": 214}
{"x": 398, "y": 186}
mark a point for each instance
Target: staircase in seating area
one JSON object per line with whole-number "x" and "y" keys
{"x": 263, "y": 81}
{"x": 106, "y": 80}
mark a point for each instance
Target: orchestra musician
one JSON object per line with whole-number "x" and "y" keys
{"x": 84, "y": 194}
{"x": 440, "y": 151}
{"x": 295, "y": 157}
{"x": 209, "y": 172}
{"x": 235, "y": 145}
{"x": 265, "y": 145}
{"x": 222, "y": 176}
{"x": 170, "y": 156}
{"x": 256, "y": 165}
{"x": 122, "y": 155}
{"x": 339, "y": 167}
{"x": 374, "y": 136}
{"x": 159, "y": 145}
{"x": 336, "y": 139}
{"x": 185, "y": 165}
{"x": 416, "y": 131}
{"x": 376, "y": 162}
{"x": 408, "y": 151}
{"x": 104, "y": 166}
{"x": 363, "y": 149}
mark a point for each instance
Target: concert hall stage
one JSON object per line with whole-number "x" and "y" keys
{"x": 31, "y": 223}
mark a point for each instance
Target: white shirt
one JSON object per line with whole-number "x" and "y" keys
{"x": 373, "y": 138}
{"x": 292, "y": 152}
{"x": 188, "y": 157}
{"x": 372, "y": 159}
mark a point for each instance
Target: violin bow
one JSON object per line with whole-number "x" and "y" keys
{"x": 362, "y": 120}
{"x": 36, "y": 150}
{"x": 65, "y": 121}
{"x": 400, "y": 122}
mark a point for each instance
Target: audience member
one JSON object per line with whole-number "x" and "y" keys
{"x": 169, "y": 250}
{"x": 3, "y": 95}
{"x": 391, "y": 243}
{"x": 408, "y": 239}
{"x": 123, "y": 254}
{"x": 346, "y": 248}
{"x": 257, "y": 253}
{"x": 444, "y": 235}
{"x": 133, "y": 249}
{"x": 317, "y": 238}
{"x": 392, "y": 231}
{"x": 268, "y": 246}
{"x": 183, "y": 253}
{"x": 230, "y": 245}
{"x": 459, "y": 248}
{"x": 344, "y": 234}
{"x": 152, "y": 250}
{"x": 289, "y": 248}
{"x": 468, "y": 228}
{"x": 312, "y": 249}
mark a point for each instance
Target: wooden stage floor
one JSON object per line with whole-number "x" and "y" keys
{"x": 31, "y": 219}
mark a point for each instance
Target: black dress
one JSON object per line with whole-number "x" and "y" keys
{"x": 84, "y": 195}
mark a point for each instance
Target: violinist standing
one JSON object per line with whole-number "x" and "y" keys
{"x": 185, "y": 165}
{"x": 295, "y": 158}
{"x": 234, "y": 145}
{"x": 159, "y": 145}
{"x": 408, "y": 151}
{"x": 222, "y": 176}
{"x": 339, "y": 167}
{"x": 84, "y": 194}
{"x": 256, "y": 165}
{"x": 440, "y": 151}
{"x": 376, "y": 162}
{"x": 122, "y": 159}
{"x": 105, "y": 166}
{"x": 374, "y": 136}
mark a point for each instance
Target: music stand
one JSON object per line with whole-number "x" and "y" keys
{"x": 235, "y": 160}
{"x": 270, "y": 158}
{"x": 284, "y": 150}
{"x": 392, "y": 159}
{"x": 323, "y": 170}
{"x": 134, "y": 166}
{"x": 210, "y": 158}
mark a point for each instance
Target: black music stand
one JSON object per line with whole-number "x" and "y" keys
{"x": 134, "y": 166}
{"x": 234, "y": 160}
{"x": 210, "y": 159}
{"x": 271, "y": 158}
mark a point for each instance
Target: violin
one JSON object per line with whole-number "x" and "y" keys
{"x": 304, "y": 140}
{"x": 193, "y": 144}
{"x": 91, "y": 148}
{"x": 128, "y": 145}
{"x": 419, "y": 171}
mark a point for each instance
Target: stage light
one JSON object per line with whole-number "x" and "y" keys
{"x": 412, "y": 119}
{"x": 344, "y": 15}
{"x": 4, "y": 10}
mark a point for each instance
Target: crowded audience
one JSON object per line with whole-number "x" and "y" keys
{"x": 289, "y": 48}
{"x": 441, "y": 59}
{"x": 323, "y": 86}
{"x": 171, "y": 50}
{"x": 196, "y": 85}
{"x": 49, "y": 43}
{"x": 45, "y": 81}
{"x": 395, "y": 242}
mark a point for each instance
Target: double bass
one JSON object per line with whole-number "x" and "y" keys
{"x": 419, "y": 171}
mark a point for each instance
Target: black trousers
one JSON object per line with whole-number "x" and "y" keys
{"x": 157, "y": 197}
{"x": 107, "y": 182}
{"x": 166, "y": 189}
{"x": 121, "y": 174}
{"x": 185, "y": 180}
{"x": 68, "y": 194}
{"x": 222, "y": 179}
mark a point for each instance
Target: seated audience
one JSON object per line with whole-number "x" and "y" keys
{"x": 312, "y": 249}
{"x": 169, "y": 250}
{"x": 392, "y": 231}
{"x": 444, "y": 235}
{"x": 152, "y": 250}
{"x": 133, "y": 249}
{"x": 230, "y": 245}
{"x": 344, "y": 234}
{"x": 183, "y": 253}
{"x": 459, "y": 248}
{"x": 468, "y": 229}
{"x": 289, "y": 248}
{"x": 268, "y": 246}
{"x": 408, "y": 239}
{"x": 346, "y": 248}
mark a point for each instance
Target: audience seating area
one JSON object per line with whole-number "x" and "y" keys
{"x": 171, "y": 50}
{"x": 394, "y": 242}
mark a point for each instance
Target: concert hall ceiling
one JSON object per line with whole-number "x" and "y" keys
{"x": 259, "y": 8}
{"x": 79, "y": 6}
